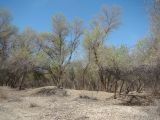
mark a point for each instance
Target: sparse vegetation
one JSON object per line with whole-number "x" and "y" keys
{"x": 31, "y": 59}
{"x": 51, "y": 92}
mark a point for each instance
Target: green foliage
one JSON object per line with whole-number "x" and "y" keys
{"x": 111, "y": 56}
{"x": 7, "y": 30}
{"x": 60, "y": 45}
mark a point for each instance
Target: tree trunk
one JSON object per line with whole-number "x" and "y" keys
{"x": 21, "y": 81}
{"x": 108, "y": 82}
{"x": 120, "y": 91}
{"x": 83, "y": 76}
{"x": 115, "y": 90}
{"x": 139, "y": 88}
{"x": 155, "y": 84}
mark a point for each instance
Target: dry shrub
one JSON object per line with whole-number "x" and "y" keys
{"x": 82, "y": 118}
{"x": 87, "y": 97}
{"x": 156, "y": 95}
{"x": 46, "y": 91}
{"x": 33, "y": 105}
{"x": 135, "y": 100}
{"x": 15, "y": 99}
{"x": 52, "y": 91}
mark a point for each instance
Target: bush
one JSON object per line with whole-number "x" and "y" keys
{"x": 33, "y": 105}
{"x": 87, "y": 97}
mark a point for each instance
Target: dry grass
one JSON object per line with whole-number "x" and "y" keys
{"x": 3, "y": 94}
{"x": 158, "y": 107}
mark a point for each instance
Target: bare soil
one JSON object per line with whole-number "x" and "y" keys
{"x": 50, "y": 103}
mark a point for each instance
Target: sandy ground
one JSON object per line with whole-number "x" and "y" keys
{"x": 26, "y": 105}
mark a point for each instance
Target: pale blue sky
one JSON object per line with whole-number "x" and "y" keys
{"x": 37, "y": 14}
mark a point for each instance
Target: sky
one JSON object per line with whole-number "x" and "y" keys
{"x": 37, "y": 14}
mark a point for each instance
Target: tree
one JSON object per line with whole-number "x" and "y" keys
{"x": 7, "y": 31}
{"x": 155, "y": 17}
{"x": 22, "y": 59}
{"x": 60, "y": 45}
{"x": 119, "y": 61}
{"x": 95, "y": 37}
{"x": 155, "y": 29}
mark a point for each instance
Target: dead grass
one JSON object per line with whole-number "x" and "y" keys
{"x": 3, "y": 96}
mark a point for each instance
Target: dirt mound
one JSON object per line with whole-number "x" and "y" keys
{"x": 51, "y": 91}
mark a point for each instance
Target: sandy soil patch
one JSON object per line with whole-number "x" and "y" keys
{"x": 55, "y": 105}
